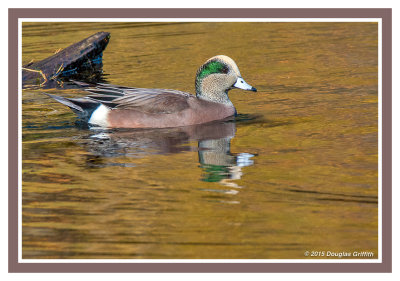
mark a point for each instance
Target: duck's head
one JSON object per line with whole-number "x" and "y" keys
{"x": 216, "y": 77}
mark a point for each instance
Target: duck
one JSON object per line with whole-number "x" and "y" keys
{"x": 113, "y": 106}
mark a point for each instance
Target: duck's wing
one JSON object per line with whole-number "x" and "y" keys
{"x": 140, "y": 99}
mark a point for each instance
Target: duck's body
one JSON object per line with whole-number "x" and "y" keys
{"x": 122, "y": 107}
{"x": 197, "y": 112}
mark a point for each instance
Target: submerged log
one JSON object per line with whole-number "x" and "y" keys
{"x": 82, "y": 58}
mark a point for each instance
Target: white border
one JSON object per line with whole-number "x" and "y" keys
{"x": 20, "y": 20}
{"x": 378, "y": 20}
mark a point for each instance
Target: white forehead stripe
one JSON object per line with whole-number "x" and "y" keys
{"x": 229, "y": 62}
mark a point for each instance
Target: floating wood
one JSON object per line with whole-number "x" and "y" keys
{"x": 84, "y": 57}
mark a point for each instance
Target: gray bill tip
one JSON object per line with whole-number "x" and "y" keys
{"x": 253, "y": 89}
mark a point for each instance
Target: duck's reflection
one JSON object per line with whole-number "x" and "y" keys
{"x": 211, "y": 140}
{"x": 219, "y": 164}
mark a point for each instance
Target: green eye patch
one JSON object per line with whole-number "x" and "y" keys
{"x": 212, "y": 67}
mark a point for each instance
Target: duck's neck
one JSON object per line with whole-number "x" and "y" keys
{"x": 218, "y": 98}
{"x": 213, "y": 95}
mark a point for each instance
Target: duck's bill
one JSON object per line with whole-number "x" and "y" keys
{"x": 241, "y": 84}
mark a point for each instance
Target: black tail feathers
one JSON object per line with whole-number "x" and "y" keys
{"x": 81, "y": 106}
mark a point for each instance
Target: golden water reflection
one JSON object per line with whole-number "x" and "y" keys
{"x": 296, "y": 171}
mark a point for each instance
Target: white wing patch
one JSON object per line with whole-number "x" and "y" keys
{"x": 99, "y": 116}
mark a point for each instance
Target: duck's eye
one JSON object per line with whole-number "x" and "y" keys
{"x": 225, "y": 70}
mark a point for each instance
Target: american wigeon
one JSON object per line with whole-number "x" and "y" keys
{"x": 113, "y": 106}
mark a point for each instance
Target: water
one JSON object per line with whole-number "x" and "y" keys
{"x": 295, "y": 171}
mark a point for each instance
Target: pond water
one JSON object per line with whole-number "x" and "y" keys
{"x": 295, "y": 171}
